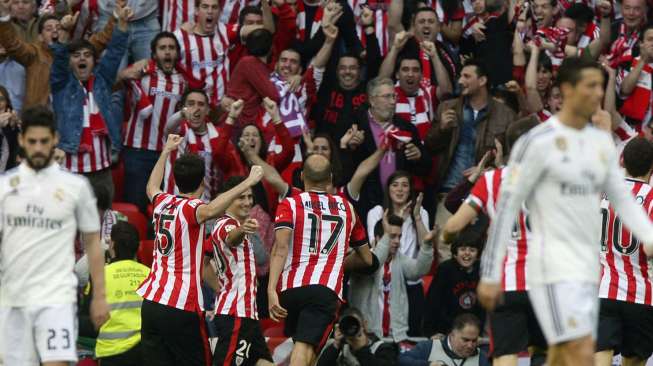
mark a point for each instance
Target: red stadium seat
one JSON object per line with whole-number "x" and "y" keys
{"x": 118, "y": 174}
{"x": 138, "y": 220}
{"x": 426, "y": 283}
{"x": 276, "y": 331}
{"x": 266, "y": 323}
{"x": 124, "y": 207}
{"x": 145, "y": 253}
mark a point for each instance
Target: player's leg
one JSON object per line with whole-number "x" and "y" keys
{"x": 187, "y": 337}
{"x": 303, "y": 354}
{"x": 578, "y": 352}
{"x": 55, "y": 333}
{"x": 152, "y": 339}
{"x": 610, "y": 332}
{"x": 637, "y": 344}
{"x": 509, "y": 329}
{"x": 16, "y": 337}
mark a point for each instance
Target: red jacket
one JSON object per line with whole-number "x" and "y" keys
{"x": 250, "y": 81}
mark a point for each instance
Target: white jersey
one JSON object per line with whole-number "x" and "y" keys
{"x": 560, "y": 172}
{"x": 41, "y": 214}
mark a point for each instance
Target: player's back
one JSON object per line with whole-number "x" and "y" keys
{"x": 624, "y": 266}
{"x": 174, "y": 279}
{"x": 42, "y": 213}
{"x": 568, "y": 171}
{"x": 324, "y": 227}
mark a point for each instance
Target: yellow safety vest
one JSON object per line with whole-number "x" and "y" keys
{"x": 123, "y": 329}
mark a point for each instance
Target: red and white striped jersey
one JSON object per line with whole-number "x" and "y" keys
{"x": 417, "y": 109}
{"x": 484, "y": 197}
{"x": 324, "y": 227}
{"x": 591, "y": 33}
{"x": 175, "y": 13}
{"x": 94, "y": 152}
{"x": 174, "y": 278}
{"x": 237, "y": 271}
{"x": 380, "y": 9}
{"x": 203, "y": 145}
{"x": 624, "y": 266}
{"x": 206, "y": 57}
{"x": 152, "y": 101}
{"x": 230, "y": 9}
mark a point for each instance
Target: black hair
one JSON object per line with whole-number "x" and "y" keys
{"x": 259, "y": 42}
{"x": 191, "y": 91}
{"x": 263, "y": 151}
{"x": 350, "y": 54}
{"x": 480, "y": 68}
{"x": 38, "y": 116}
{"x": 198, "y": 2}
{"x": 231, "y": 183}
{"x": 125, "y": 240}
{"x": 580, "y": 13}
{"x": 465, "y": 319}
{"x": 295, "y": 50}
{"x": 404, "y": 58}
{"x": 7, "y": 96}
{"x": 424, "y": 9}
{"x": 160, "y": 36}
{"x": 43, "y": 19}
{"x": 544, "y": 62}
{"x": 189, "y": 173}
{"x": 249, "y": 9}
{"x": 517, "y": 129}
{"x": 571, "y": 69}
{"x": 508, "y": 98}
{"x": 638, "y": 157}
{"x": 471, "y": 236}
{"x": 82, "y": 44}
{"x": 378, "y": 229}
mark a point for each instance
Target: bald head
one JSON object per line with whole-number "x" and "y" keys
{"x": 317, "y": 170}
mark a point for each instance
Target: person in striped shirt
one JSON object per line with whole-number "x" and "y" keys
{"x": 173, "y": 327}
{"x": 240, "y": 339}
{"x": 626, "y": 289}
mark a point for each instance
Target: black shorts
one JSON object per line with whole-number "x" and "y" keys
{"x": 240, "y": 342}
{"x": 312, "y": 310}
{"x": 626, "y": 328}
{"x": 170, "y": 336}
{"x": 513, "y": 326}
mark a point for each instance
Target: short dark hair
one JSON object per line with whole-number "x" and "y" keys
{"x": 160, "y": 36}
{"x": 471, "y": 236}
{"x": 571, "y": 69}
{"x": 407, "y": 57}
{"x": 82, "y": 44}
{"x": 580, "y": 13}
{"x": 189, "y": 173}
{"x": 464, "y": 319}
{"x": 481, "y": 69}
{"x": 544, "y": 62}
{"x": 314, "y": 175}
{"x": 191, "y": 91}
{"x": 198, "y": 2}
{"x": 231, "y": 183}
{"x": 427, "y": 10}
{"x": 519, "y": 128}
{"x": 38, "y": 116}
{"x": 638, "y": 157}
{"x": 259, "y": 42}
{"x": 393, "y": 220}
{"x": 43, "y": 19}
{"x": 125, "y": 238}
{"x": 350, "y": 54}
{"x": 249, "y": 9}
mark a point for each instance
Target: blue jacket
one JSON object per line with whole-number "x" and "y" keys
{"x": 68, "y": 94}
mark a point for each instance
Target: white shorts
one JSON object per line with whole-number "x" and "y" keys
{"x": 566, "y": 310}
{"x": 34, "y": 334}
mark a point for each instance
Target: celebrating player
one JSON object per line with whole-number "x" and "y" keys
{"x": 559, "y": 169}
{"x": 173, "y": 323}
{"x": 43, "y": 207}
{"x": 314, "y": 230}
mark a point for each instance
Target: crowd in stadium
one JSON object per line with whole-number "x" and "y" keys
{"x": 205, "y": 127}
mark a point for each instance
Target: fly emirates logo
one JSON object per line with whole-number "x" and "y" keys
{"x": 33, "y": 218}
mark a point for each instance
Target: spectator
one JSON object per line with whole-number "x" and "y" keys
{"x": 88, "y": 131}
{"x": 453, "y": 289}
{"x": 251, "y": 78}
{"x": 457, "y": 348}
{"x": 464, "y": 129}
{"x": 149, "y": 110}
{"x": 12, "y": 77}
{"x": 118, "y": 342}
{"x": 378, "y": 125}
{"x": 539, "y": 85}
{"x": 24, "y": 19}
{"x": 359, "y": 346}
{"x": 9, "y": 123}
{"x": 625, "y": 33}
{"x": 636, "y": 108}
{"x": 36, "y": 56}
{"x": 383, "y": 294}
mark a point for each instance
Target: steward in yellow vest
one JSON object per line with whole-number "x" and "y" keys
{"x": 118, "y": 342}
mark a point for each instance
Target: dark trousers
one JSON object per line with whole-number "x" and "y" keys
{"x": 415, "y": 309}
{"x": 133, "y": 357}
{"x": 102, "y": 179}
{"x": 138, "y": 166}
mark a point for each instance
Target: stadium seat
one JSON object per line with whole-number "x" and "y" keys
{"x": 138, "y": 220}
{"x": 266, "y": 323}
{"x": 426, "y": 283}
{"x": 124, "y": 207}
{"x": 275, "y": 331}
{"x": 145, "y": 253}
{"x": 118, "y": 174}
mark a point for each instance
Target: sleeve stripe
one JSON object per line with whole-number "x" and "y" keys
{"x": 283, "y": 225}
{"x": 519, "y": 154}
{"x": 357, "y": 243}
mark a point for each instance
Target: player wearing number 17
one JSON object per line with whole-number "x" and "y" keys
{"x": 314, "y": 231}
{"x": 173, "y": 328}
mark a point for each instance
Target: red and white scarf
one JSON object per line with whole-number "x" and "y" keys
{"x": 638, "y": 104}
{"x": 417, "y": 109}
{"x": 89, "y": 13}
{"x": 467, "y": 29}
{"x": 380, "y": 23}
{"x": 591, "y": 33}
{"x": 96, "y": 124}
{"x": 621, "y": 51}
{"x": 557, "y": 36}
{"x": 301, "y": 21}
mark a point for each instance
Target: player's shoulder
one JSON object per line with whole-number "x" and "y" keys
{"x": 538, "y": 137}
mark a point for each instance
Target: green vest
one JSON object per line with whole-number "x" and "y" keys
{"x": 123, "y": 329}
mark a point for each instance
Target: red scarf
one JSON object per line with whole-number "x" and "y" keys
{"x": 387, "y": 278}
{"x": 96, "y": 125}
{"x": 639, "y": 101}
{"x": 301, "y": 21}
{"x": 621, "y": 50}
{"x": 467, "y": 29}
{"x": 421, "y": 118}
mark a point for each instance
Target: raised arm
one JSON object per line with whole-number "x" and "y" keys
{"x": 630, "y": 81}
{"x": 363, "y": 171}
{"x": 603, "y": 42}
{"x": 268, "y": 17}
{"x": 216, "y": 207}
{"x": 388, "y": 66}
{"x": 108, "y": 66}
{"x": 322, "y": 58}
{"x": 270, "y": 174}
{"x": 532, "y": 94}
{"x": 441, "y": 74}
{"x": 156, "y": 177}
{"x": 395, "y": 13}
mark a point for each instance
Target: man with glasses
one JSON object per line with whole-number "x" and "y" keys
{"x": 375, "y": 126}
